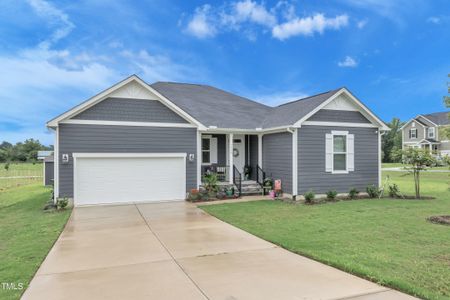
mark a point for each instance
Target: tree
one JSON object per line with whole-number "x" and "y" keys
{"x": 22, "y": 151}
{"x": 446, "y": 130}
{"x": 419, "y": 160}
{"x": 392, "y": 141}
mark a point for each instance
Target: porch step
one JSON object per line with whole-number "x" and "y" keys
{"x": 251, "y": 188}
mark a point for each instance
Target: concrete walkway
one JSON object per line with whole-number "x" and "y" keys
{"x": 176, "y": 251}
{"x": 399, "y": 169}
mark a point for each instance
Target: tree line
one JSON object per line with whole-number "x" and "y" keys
{"x": 25, "y": 151}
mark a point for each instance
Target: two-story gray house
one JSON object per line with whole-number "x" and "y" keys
{"x": 423, "y": 132}
{"x": 138, "y": 142}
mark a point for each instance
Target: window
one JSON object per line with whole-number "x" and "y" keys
{"x": 413, "y": 133}
{"x": 431, "y": 132}
{"x": 206, "y": 150}
{"x": 339, "y": 153}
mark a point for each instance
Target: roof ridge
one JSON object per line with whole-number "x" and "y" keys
{"x": 305, "y": 98}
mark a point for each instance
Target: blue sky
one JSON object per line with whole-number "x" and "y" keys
{"x": 393, "y": 55}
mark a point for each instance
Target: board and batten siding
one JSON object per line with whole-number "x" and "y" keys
{"x": 331, "y": 115}
{"x": 123, "y": 139}
{"x": 311, "y": 160}
{"x": 131, "y": 110}
{"x": 277, "y": 158}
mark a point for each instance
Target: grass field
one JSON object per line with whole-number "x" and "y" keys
{"x": 27, "y": 233}
{"x": 387, "y": 241}
{"x": 20, "y": 174}
{"x": 400, "y": 165}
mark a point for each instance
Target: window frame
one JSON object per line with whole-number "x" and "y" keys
{"x": 433, "y": 130}
{"x": 345, "y": 134}
{"x": 208, "y": 151}
{"x": 415, "y": 133}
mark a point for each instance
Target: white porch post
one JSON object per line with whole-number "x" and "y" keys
{"x": 260, "y": 160}
{"x": 199, "y": 159}
{"x": 230, "y": 156}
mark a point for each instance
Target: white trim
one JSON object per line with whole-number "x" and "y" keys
{"x": 103, "y": 95}
{"x": 246, "y": 131}
{"x": 339, "y": 124}
{"x": 434, "y": 132}
{"x": 260, "y": 151}
{"x": 230, "y": 156}
{"x": 127, "y": 123}
{"x": 294, "y": 162}
{"x": 344, "y": 133}
{"x": 413, "y": 119}
{"x": 379, "y": 159}
{"x": 56, "y": 167}
{"x": 427, "y": 120}
{"x": 365, "y": 110}
{"x": 43, "y": 172}
{"x": 199, "y": 159}
{"x": 124, "y": 155}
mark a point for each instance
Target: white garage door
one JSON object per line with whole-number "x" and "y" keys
{"x": 140, "y": 178}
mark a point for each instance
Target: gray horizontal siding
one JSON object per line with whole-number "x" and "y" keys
{"x": 49, "y": 171}
{"x": 132, "y": 110}
{"x": 311, "y": 160}
{"x": 123, "y": 139}
{"x": 253, "y": 155}
{"x": 330, "y": 115}
{"x": 277, "y": 158}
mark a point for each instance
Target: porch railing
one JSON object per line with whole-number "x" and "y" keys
{"x": 221, "y": 171}
{"x": 260, "y": 175}
{"x": 237, "y": 180}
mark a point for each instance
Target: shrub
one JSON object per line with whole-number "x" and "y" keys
{"x": 394, "y": 191}
{"x": 194, "y": 195}
{"x": 210, "y": 182}
{"x": 353, "y": 193}
{"x": 373, "y": 191}
{"x": 331, "y": 195}
{"x": 204, "y": 195}
{"x": 221, "y": 195}
{"x": 309, "y": 197}
{"x": 62, "y": 203}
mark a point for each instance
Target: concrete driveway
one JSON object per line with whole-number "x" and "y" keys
{"x": 176, "y": 251}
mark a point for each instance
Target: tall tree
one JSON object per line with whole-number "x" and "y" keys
{"x": 446, "y": 130}
{"x": 392, "y": 141}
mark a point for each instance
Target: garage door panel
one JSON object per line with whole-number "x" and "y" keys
{"x": 118, "y": 180}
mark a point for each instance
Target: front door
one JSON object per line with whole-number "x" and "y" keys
{"x": 239, "y": 151}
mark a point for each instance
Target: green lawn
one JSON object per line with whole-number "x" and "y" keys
{"x": 387, "y": 241}
{"x": 27, "y": 233}
{"x": 20, "y": 174}
{"x": 400, "y": 165}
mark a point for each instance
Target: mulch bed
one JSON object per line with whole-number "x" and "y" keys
{"x": 444, "y": 220}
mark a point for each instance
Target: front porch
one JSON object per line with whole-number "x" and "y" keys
{"x": 235, "y": 158}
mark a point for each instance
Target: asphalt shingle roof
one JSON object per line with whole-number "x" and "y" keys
{"x": 439, "y": 118}
{"x": 214, "y": 107}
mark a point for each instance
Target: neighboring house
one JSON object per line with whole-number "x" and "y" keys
{"x": 41, "y": 155}
{"x": 423, "y": 132}
{"x": 139, "y": 142}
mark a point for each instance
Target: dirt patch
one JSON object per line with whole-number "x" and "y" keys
{"x": 444, "y": 220}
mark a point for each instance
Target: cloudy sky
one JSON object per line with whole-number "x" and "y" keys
{"x": 394, "y": 55}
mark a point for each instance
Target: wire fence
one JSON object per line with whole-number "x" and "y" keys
{"x": 17, "y": 174}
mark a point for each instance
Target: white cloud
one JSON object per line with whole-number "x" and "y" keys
{"x": 308, "y": 26}
{"x": 246, "y": 16}
{"x": 361, "y": 24}
{"x": 348, "y": 62}
{"x": 201, "y": 25}
{"x": 434, "y": 20}
{"x": 54, "y": 17}
{"x": 276, "y": 99}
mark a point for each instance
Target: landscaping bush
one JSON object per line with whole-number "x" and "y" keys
{"x": 194, "y": 195}
{"x": 353, "y": 193}
{"x": 373, "y": 191}
{"x": 62, "y": 203}
{"x": 394, "y": 191}
{"x": 331, "y": 195}
{"x": 309, "y": 197}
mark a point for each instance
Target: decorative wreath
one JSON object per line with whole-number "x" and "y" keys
{"x": 235, "y": 152}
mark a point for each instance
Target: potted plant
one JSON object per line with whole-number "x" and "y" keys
{"x": 229, "y": 191}
{"x": 194, "y": 195}
{"x": 247, "y": 172}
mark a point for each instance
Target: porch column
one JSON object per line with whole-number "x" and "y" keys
{"x": 230, "y": 156}
{"x": 260, "y": 160}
